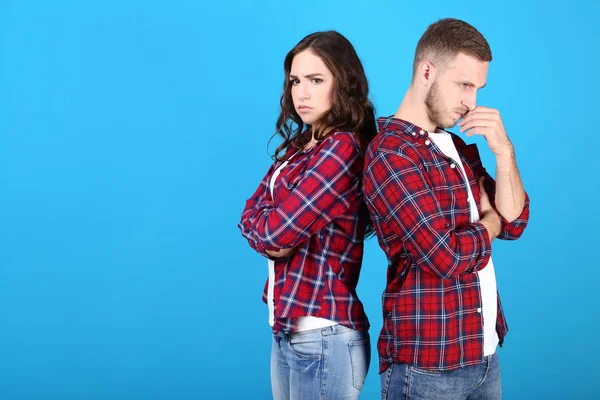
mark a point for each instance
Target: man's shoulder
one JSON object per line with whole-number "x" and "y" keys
{"x": 392, "y": 142}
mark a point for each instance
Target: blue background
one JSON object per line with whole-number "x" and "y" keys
{"x": 131, "y": 133}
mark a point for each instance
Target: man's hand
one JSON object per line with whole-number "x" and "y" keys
{"x": 488, "y": 123}
{"x": 281, "y": 253}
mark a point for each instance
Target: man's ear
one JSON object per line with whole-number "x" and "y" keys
{"x": 426, "y": 72}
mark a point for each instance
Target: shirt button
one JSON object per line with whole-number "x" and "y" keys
{"x": 452, "y": 165}
{"x": 479, "y": 310}
{"x": 422, "y": 132}
{"x": 414, "y": 133}
{"x": 427, "y": 142}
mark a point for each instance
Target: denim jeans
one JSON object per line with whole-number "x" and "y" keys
{"x": 327, "y": 363}
{"x": 476, "y": 382}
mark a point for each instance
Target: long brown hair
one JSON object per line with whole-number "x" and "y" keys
{"x": 351, "y": 110}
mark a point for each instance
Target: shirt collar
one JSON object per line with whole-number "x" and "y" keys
{"x": 470, "y": 152}
{"x": 399, "y": 125}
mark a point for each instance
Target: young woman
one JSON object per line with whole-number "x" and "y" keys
{"x": 308, "y": 218}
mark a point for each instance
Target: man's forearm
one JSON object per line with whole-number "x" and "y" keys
{"x": 510, "y": 195}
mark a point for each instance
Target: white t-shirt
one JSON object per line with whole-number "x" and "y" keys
{"x": 487, "y": 276}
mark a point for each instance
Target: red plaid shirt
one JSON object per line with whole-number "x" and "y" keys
{"x": 318, "y": 210}
{"x": 419, "y": 205}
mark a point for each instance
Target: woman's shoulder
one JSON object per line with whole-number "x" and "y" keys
{"x": 344, "y": 136}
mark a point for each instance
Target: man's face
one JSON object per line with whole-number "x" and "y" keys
{"x": 454, "y": 90}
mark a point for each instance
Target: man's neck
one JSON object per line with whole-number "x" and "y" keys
{"x": 412, "y": 109}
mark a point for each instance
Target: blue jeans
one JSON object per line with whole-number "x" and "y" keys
{"x": 476, "y": 382}
{"x": 328, "y": 363}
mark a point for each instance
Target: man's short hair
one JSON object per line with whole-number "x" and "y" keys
{"x": 444, "y": 39}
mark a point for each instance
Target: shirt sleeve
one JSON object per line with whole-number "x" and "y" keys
{"x": 397, "y": 190}
{"x": 261, "y": 195}
{"x": 329, "y": 186}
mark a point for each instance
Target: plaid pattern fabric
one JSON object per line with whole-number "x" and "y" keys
{"x": 418, "y": 200}
{"x": 318, "y": 209}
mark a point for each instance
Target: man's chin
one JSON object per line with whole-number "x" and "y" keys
{"x": 447, "y": 125}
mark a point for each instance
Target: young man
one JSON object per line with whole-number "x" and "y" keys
{"x": 436, "y": 211}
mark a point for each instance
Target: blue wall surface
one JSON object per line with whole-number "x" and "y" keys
{"x": 132, "y": 132}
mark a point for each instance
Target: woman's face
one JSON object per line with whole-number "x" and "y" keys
{"x": 312, "y": 86}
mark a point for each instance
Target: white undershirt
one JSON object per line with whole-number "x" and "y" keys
{"x": 305, "y": 323}
{"x": 487, "y": 277}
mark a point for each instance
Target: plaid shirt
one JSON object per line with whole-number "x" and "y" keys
{"x": 418, "y": 200}
{"x": 318, "y": 210}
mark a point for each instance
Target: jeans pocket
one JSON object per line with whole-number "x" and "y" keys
{"x": 310, "y": 348}
{"x": 360, "y": 357}
{"x": 435, "y": 384}
{"x": 431, "y": 372}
